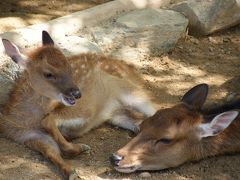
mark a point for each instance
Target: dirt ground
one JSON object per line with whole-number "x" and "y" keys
{"x": 19, "y": 13}
{"x": 214, "y": 60}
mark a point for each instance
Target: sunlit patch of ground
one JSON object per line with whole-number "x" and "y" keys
{"x": 20, "y": 13}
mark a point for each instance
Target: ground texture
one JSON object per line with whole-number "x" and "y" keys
{"x": 213, "y": 60}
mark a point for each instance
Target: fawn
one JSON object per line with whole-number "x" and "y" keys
{"x": 181, "y": 133}
{"x": 36, "y": 114}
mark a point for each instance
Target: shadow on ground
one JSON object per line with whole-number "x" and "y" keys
{"x": 20, "y": 13}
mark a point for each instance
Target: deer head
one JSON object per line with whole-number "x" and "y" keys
{"x": 48, "y": 71}
{"x": 172, "y": 136}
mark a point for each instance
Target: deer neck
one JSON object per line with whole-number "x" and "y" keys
{"x": 227, "y": 142}
{"x": 25, "y": 98}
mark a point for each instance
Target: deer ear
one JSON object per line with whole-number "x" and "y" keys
{"x": 46, "y": 39}
{"x": 12, "y": 51}
{"x": 196, "y": 96}
{"x": 217, "y": 125}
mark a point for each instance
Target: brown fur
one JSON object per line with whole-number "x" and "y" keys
{"x": 36, "y": 117}
{"x": 148, "y": 151}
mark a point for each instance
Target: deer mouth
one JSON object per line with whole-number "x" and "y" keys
{"x": 68, "y": 100}
{"x": 127, "y": 169}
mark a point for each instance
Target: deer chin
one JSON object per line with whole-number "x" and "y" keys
{"x": 127, "y": 169}
{"x": 67, "y": 100}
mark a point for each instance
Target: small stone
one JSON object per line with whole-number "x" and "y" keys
{"x": 145, "y": 175}
{"x": 228, "y": 52}
{"x": 151, "y": 70}
{"x": 212, "y": 40}
{"x": 194, "y": 41}
{"x": 131, "y": 43}
{"x": 225, "y": 40}
{"x": 102, "y": 138}
{"x": 109, "y": 173}
{"x": 190, "y": 50}
{"x": 211, "y": 49}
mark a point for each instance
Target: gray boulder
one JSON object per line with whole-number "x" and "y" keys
{"x": 73, "y": 45}
{"x": 206, "y": 17}
{"x": 141, "y": 32}
{"x": 9, "y": 72}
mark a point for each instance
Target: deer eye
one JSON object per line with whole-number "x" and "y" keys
{"x": 164, "y": 141}
{"x": 49, "y": 76}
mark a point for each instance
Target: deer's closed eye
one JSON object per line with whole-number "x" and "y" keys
{"x": 49, "y": 76}
{"x": 164, "y": 141}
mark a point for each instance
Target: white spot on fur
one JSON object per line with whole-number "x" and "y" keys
{"x": 76, "y": 71}
{"x": 140, "y": 103}
{"x": 83, "y": 66}
{"x": 124, "y": 122}
{"x": 76, "y": 122}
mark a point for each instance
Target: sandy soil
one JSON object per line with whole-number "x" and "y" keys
{"x": 214, "y": 60}
{"x": 19, "y": 13}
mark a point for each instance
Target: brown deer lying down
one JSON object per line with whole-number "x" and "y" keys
{"x": 179, "y": 134}
{"x": 35, "y": 116}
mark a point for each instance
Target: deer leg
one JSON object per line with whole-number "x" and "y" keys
{"x": 49, "y": 149}
{"x": 69, "y": 149}
{"x": 140, "y": 102}
{"x": 127, "y": 119}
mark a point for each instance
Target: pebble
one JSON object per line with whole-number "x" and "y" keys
{"x": 212, "y": 40}
{"x": 211, "y": 49}
{"x": 102, "y": 138}
{"x": 226, "y": 39}
{"x": 228, "y": 52}
{"x": 145, "y": 175}
{"x": 131, "y": 43}
{"x": 215, "y": 40}
{"x": 151, "y": 70}
{"x": 194, "y": 41}
{"x": 190, "y": 50}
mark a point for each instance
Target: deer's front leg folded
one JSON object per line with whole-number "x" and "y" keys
{"x": 49, "y": 123}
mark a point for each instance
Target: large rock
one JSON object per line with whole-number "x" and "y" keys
{"x": 73, "y": 45}
{"x": 72, "y": 23}
{"x": 208, "y": 16}
{"x": 9, "y": 72}
{"x": 141, "y": 32}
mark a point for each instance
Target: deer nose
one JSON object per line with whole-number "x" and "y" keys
{"x": 115, "y": 159}
{"x": 75, "y": 92}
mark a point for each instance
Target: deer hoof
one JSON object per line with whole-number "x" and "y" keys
{"x": 75, "y": 149}
{"x": 84, "y": 147}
